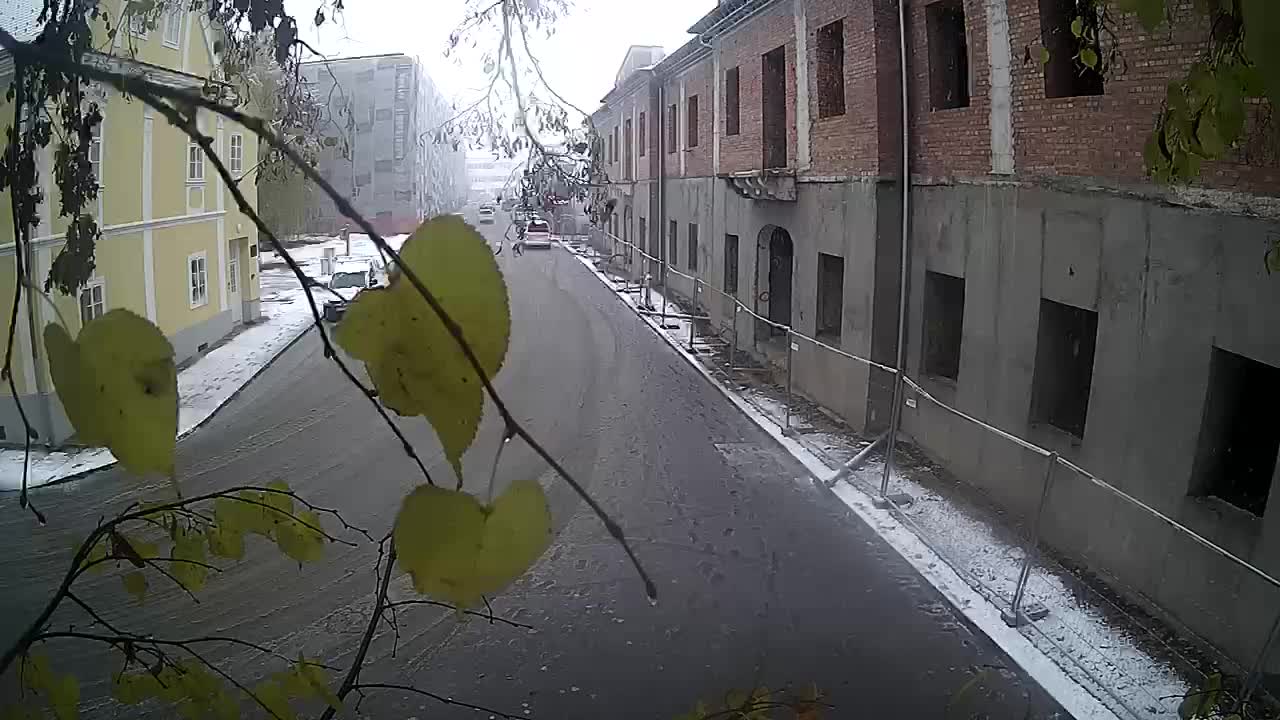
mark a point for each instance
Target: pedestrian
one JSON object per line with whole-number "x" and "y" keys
{"x": 346, "y": 237}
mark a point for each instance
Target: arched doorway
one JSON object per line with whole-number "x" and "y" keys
{"x": 775, "y": 256}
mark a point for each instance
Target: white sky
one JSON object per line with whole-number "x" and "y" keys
{"x": 579, "y": 60}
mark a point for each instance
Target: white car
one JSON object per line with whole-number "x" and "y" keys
{"x": 537, "y": 234}
{"x": 348, "y": 279}
{"x": 486, "y": 214}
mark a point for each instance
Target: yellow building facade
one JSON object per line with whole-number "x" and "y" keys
{"x": 174, "y": 247}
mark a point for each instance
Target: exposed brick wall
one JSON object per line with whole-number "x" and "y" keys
{"x": 697, "y": 81}
{"x": 1104, "y": 135}
{"x": 848, "y": 143}
{"x": 743, "y": 48}
{"x": 956, "y": 141}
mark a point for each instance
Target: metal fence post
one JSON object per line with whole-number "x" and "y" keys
{"x": 692, "y": 313}
{"x": 1259, "y": 666}
{"x": 733, "y": 350}
{"x": 1016, "y": 615}
{"x": 786, "y": 427}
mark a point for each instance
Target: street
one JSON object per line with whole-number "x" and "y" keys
{"x": 763, "y": 580}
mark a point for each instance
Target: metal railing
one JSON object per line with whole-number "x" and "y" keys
{"x": 1013, "y": 609}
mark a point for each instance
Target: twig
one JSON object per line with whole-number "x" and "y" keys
{"x": 439, "y": 698}
{"x": 349, "y": 683}
{"x": 487, "y": 616}
{"x": 234, "y": 682}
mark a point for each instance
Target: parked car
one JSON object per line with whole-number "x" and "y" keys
{"x": 486, "y": 214}
{"x": 348, "y": 279}
{"x": 537, "y": 234}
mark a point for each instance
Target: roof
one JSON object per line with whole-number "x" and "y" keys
{"x": 722, "y": 10}
{"x": 20, "y": 18}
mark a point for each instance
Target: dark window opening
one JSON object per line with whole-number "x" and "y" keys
{"x": 610, "y": 156}
{"x": 731, "y": 264}
{"x": 617, "y": 145}
{"x": 626, "y": 154}
{"x": 943, "y": 324}
{"x": 673, "y": 250}
{"x": 1236, "y": 454}
{"x": 671, "y": 129}
{"x": 693, "y": 247}
{"x": 773, "y": 107}
{"x": 642, "y": 240}
{"x": 1065, "y": 75}
{"x": 732, "y": 108}
{"x": 948, "y": 55}
{"x": 691, "y": 108}
{"x": 1064, "y": 366}
{"x": 642, "y": 141}
{"x": 831, "y": 69}
{"x": 830, "y": 295}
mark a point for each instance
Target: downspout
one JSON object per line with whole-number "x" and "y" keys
{"x": 895, "y": 413}
{"x": 662, "y": 184}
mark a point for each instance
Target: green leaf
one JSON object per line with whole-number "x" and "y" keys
{"x": 411, "y": 357}
{"x": 283, "y": 504}
{"x": 225, "y": 542}
{"x": 1150, "y": 12}
{"x": 298, "y": 540}
{"x": 119, "y": 387}
{"x": 244, "y": 513}
{"x": 133, "y": 688}
{"x": 1202, "y": 702}
{"x": 96, "y": 553}
{"x": 1272, "y": 258}
{"x": 188, "y": 546}
{"x": 1044, "y": 56}
{"x": 274, "y": 697}
{"x": 315, "y": 678}
{"x": 1230, "y": 111}
{"x": 64, "y": 696}
{"x": 135, "y": 583}
{"x": 1262, "y": 42}
{"x": 457, "y": 550}
{"x": 1077, "y": 27}
{"x": 1207, "y": 135}
{"x": 1089, "y": 57}
{"x": 37, "y": 675}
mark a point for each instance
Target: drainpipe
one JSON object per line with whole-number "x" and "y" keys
{"x": 662, "y": 185}
{"x": 895, "y": 414}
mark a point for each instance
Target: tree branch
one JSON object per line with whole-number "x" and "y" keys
{"x": 439, "y": 698}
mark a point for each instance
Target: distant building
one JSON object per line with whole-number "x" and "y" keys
{"x": 383, "y": 111}
{"x": 490, "y": 175}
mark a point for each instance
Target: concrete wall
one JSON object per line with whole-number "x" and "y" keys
{"x": 1168, "y": 284}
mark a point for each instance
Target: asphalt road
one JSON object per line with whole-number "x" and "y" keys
{"x": 763, "y": 580}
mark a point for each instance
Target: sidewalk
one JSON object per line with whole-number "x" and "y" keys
{"x": 1099, "y": 656}
{"x": 209, "y": 383}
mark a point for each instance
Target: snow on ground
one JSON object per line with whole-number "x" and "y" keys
{"x": 1095, "y": 656}
{"x": 209, "y": 382}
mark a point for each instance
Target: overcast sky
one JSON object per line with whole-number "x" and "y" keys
{"x": 579, "y": 60}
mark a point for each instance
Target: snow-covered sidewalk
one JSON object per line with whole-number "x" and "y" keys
{"x": 214, "y": 378}
{"x": 1096, "y": 656}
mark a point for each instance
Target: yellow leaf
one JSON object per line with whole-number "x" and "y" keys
{"x": 298, "y": 540}
{"x": 456, "y": 549}
{"x": 188, "y": 551}
{"x": 314, "y": 676}
{"x": 135, "y": 583}
{"x": 273, "y": 696}
{"x": 281, "y": 503}
{"x": 225, "y": 542}
{"x": 119, "y": 386}
{"x": 64, "y": 696}
{"x": 36, "y": 673}
{"x": 410, "y": 355}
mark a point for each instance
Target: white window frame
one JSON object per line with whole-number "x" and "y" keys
{"x": 173, "y": 18}
{"x": 198, "y": 280}
{"x": 136, "y": 21}
{"x": 195, "y": 163}
{"x": 235, "y": 153}
{"x": 99, "y": 284}
{"x": 95, "y": 152}
{"x": 233, "y": 273}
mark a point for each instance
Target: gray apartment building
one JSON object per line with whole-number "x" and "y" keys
{"x": 383, "y": 110}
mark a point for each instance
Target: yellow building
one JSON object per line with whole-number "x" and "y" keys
{"x": 174, "y": 248}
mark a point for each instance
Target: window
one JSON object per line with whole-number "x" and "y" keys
{"x": 137, "y": 22}
{"x": 642, "y": 238}
{"x": 233, "y": 273}
{"x": 363, "y": 179}
{"x": 610, "y": 148}
{"x": 1065, "y": 75}
{"x": 626, "y": 152}
{"x": 691, "y": 108}
{"x": 693, "y": 247}
{"x": 400, "y": 132}
{"x": 403, "y": 74}
{"x": 831, "y": 69}
{"x": 617, "y": 145}
{"x": 943, "y": 324}
{"x": 195, "y": 163}
{"x": 731, "y": 264}
{"x": 93, "y": 301}
{"x": 235, "y": 156}
{"x": 773, "y": 107}
{"x": 671, "y": 129}
{"x": 1236, "y": 454}
{"x": 383, "y": 166}
{"x": 673, "y": 243}
{"x": 732, "y": 110}
{"x": 948, "y": 55}
{"x": 95, "y": 152}
{"x": 1064, "y": 366}
{"x": 382, "y": 115}
{"x": 641, "y": 141}
{"x": 173, "y": 27}
{"x": 198, "y": 280}
{"x": 830, "y": 295}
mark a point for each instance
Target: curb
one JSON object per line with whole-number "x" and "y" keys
{"x": 932, "y": 567}
{"x": 89, "y": 471}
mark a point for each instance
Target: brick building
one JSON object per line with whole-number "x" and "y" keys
{"x": 1053, "y": 291}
